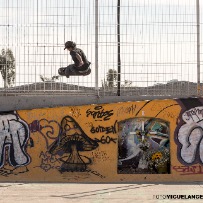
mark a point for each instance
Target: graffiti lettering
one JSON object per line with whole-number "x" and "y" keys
{"x": 106, "y": 140}
{"x": 190, "y": 137}
{"x": 107, "y": 130}
{"x": 188, "y": 170}
{"x": 47, "y": 157}
{"x": 193, "y": 115}
{"x": 127, "y": 110}
{"x": 99, "y": 114}
{"x": 15, "y": 171}
{"x": 192, "y": 144}
{"x": 49, "y": 161}
{"x": 14, "y": 134}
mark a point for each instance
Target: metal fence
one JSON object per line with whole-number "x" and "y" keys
{"x": 136, "y": 47}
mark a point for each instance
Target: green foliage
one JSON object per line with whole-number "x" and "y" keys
{"x": 111, "y": 79}
{"x": 7, "y": 67}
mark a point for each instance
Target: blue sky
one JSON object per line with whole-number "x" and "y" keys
{"x": 158, "y": 38}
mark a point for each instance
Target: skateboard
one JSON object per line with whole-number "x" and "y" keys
{"x": 66, "y": 71}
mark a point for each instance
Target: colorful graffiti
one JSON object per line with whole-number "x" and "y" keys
{"x": 144, "y": 146}
{"x": 126, "y": 141}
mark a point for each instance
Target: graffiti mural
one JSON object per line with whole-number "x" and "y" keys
{"x": 14, "y": 135}
{"x": 190, "y": 136}
{"x": 72, "y": 140}
{"x": 153, "y": 140}
{"x": 144, "y": 146}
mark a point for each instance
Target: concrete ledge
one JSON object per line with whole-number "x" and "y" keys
{"x": 10, "y": 103}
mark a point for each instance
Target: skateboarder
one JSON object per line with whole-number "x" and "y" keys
{"x": 81, "y": 64}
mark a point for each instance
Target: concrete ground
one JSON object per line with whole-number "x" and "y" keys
{"x": 96, "y": 193}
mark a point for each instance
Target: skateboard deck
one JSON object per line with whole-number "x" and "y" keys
{"x": 65, "y": 71}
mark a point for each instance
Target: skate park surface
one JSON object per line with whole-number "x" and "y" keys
{"x": 97, "y": 193}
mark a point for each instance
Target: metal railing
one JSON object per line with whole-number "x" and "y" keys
{"x": 140, "y": 47}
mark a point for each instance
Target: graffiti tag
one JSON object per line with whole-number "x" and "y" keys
{"x": 99, "y": 114}
{"x": 188, "y": 170}
{"x": 49, "y": 161}
{"x": 193, "y": 114}
{"x": 106, "y": 130}
{"x": 127, "y": 110}
{"x": 106, "y": 140}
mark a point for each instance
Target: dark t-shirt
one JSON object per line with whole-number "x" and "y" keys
{"x": 81, "y": 53}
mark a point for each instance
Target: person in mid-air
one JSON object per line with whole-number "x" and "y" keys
{"x": 81, "y": 64}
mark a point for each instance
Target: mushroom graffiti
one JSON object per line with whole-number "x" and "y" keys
{"x": 72, "y": 140}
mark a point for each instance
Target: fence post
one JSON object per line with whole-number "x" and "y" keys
{"x": 118, "y": 46}
{"x": 198, "y": 46}
{"x": 96, "y": 44}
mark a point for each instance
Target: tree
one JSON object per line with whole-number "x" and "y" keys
{"x": 7, "y": 67}
{"x": 111, "y": 79}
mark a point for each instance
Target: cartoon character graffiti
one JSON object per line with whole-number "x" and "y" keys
{"x": 14, "y": 135}
{"x": 72, "y": 140}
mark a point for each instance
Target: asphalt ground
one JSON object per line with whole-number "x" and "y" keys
{"x": 100, "y": 193}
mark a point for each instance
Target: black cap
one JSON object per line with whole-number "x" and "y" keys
{"x": 69, "y": 44}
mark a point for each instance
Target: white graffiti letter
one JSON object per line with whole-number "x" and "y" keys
{"x": 190, "y": 138}
{"x": 14, "y": 134}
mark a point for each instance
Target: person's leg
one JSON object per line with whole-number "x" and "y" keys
{"x": 70, "y": 69}
{"x": 84, "y": 68}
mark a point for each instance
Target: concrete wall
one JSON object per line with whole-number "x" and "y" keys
{"x": 108, "y": 141}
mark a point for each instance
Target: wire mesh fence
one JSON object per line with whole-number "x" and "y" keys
{"x": 155, "y": 40}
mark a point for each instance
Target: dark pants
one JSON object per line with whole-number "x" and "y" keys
{"x": 74, "y": 69}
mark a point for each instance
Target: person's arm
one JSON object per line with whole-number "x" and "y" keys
{"x": 79, "y": 59}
